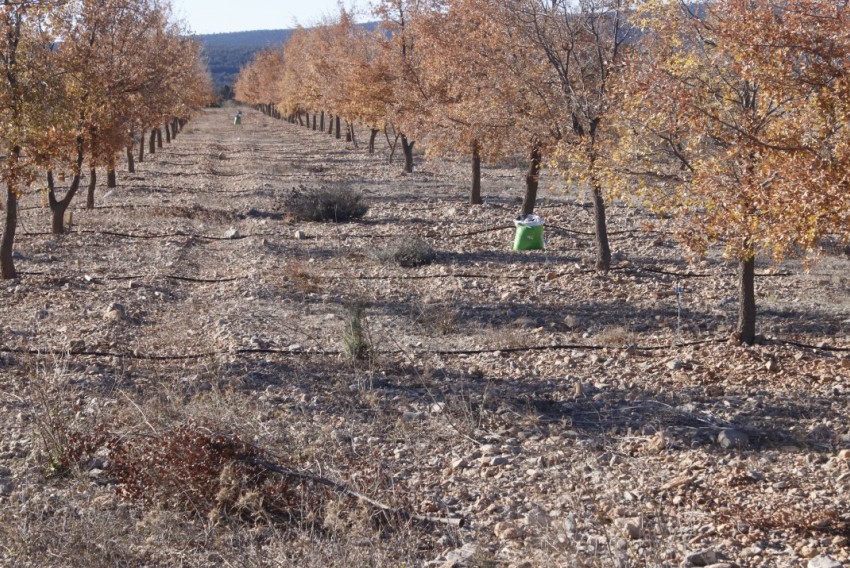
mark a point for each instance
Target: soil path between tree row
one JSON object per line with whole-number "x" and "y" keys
{"x": 565, "y": 413}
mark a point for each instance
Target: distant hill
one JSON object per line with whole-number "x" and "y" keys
{"x": 226, "y": 53}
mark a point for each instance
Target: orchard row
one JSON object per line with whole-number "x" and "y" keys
{"x": 81, "y": 82}
{"x": 729, "y": 116}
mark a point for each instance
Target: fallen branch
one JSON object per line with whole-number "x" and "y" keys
{"x": 400, "y": 514}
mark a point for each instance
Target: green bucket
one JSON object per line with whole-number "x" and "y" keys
{"x": 529, "y": 233}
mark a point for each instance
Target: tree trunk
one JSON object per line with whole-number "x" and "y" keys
{"x": 59, "y": 206}
{"x": 142, "y": 147}
{"x": 337, "y": 134}
{"x": 322, "y": 121}
{"x": 348, "y": 132}
{"x": 167, "y": 133}
{"x": 92, "y": 186}
{"x": 111, "y": 180}
{"x": 475, "y": 194}
{"x": 159, "y": 137}
{"x": 353, "y": 135}
{"x": 407, "y": 149}
{"x": 7, "y": 262}
{"x": 175, "y": 128}
{"x": 330, "y": 124}
{"x": 603, "y": 250}
{"x": 314, "y": 121}
{"x": 372, "y": 135}
{"x": 746, "y": 329}
{"x": 532, "y": 179}
{"x": 600, "y": 234}
{"x": 152, "y": 145}
{"x": 131, "y": 164}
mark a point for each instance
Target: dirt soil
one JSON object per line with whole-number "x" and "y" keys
{"x": 569, "y": 418}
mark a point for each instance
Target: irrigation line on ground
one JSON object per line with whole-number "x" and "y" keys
{"x": 301, "y": 352}
{"x": 160, "y": 236}
{"x": 590, "y": 234}
{"x": 95, "y": 279}
{"x": 205, "y": 280}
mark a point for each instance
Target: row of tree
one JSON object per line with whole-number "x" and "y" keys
{"x": 730, "y": 115}
{"x": 81, "y": 81}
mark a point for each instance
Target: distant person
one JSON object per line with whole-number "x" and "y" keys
{"x": 238, "y": 120}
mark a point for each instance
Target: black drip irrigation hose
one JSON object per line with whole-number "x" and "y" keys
{"x": 303, "y": 352}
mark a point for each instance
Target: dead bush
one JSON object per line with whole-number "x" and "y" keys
{"x": 336, "y": 204}
{"x": 208, "y": 474}
{"x": 407, "y": 253}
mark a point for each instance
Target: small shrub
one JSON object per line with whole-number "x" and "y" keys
{"x": 356, "y": 340}
{"x": 408, "y": 253}
{"x": 336, "y": 204}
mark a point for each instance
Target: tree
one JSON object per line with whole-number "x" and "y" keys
{"x": 459, "y": 104}
{"x": 400, "y": 62}
{"x": 123, "y": 63}
{"x": 580, "y": 46}
{"x": 735, "y": 119}
{"x": 28, "y": 92}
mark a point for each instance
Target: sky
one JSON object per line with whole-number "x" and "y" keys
{"x": 217, "y": 16}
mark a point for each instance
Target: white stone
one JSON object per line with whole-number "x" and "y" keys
{"x": 823, "y": 561}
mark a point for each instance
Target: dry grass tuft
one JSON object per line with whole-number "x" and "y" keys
{"x": 616, "y": 336}
{"x": 439, "y": 319}
{"x": 301, "y": 277}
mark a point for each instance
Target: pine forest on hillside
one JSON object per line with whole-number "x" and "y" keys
{"x": 292, "y": 329}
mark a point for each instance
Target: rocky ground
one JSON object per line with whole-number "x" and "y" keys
{"x": 569, "y": 418}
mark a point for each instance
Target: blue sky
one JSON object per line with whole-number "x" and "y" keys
{"x": 215, "y": 16}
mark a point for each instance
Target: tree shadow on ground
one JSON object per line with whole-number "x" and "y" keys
{"x": 561, "y": 317}
{"x": 544, "y": 260}
{"x": 687, "y": 420}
